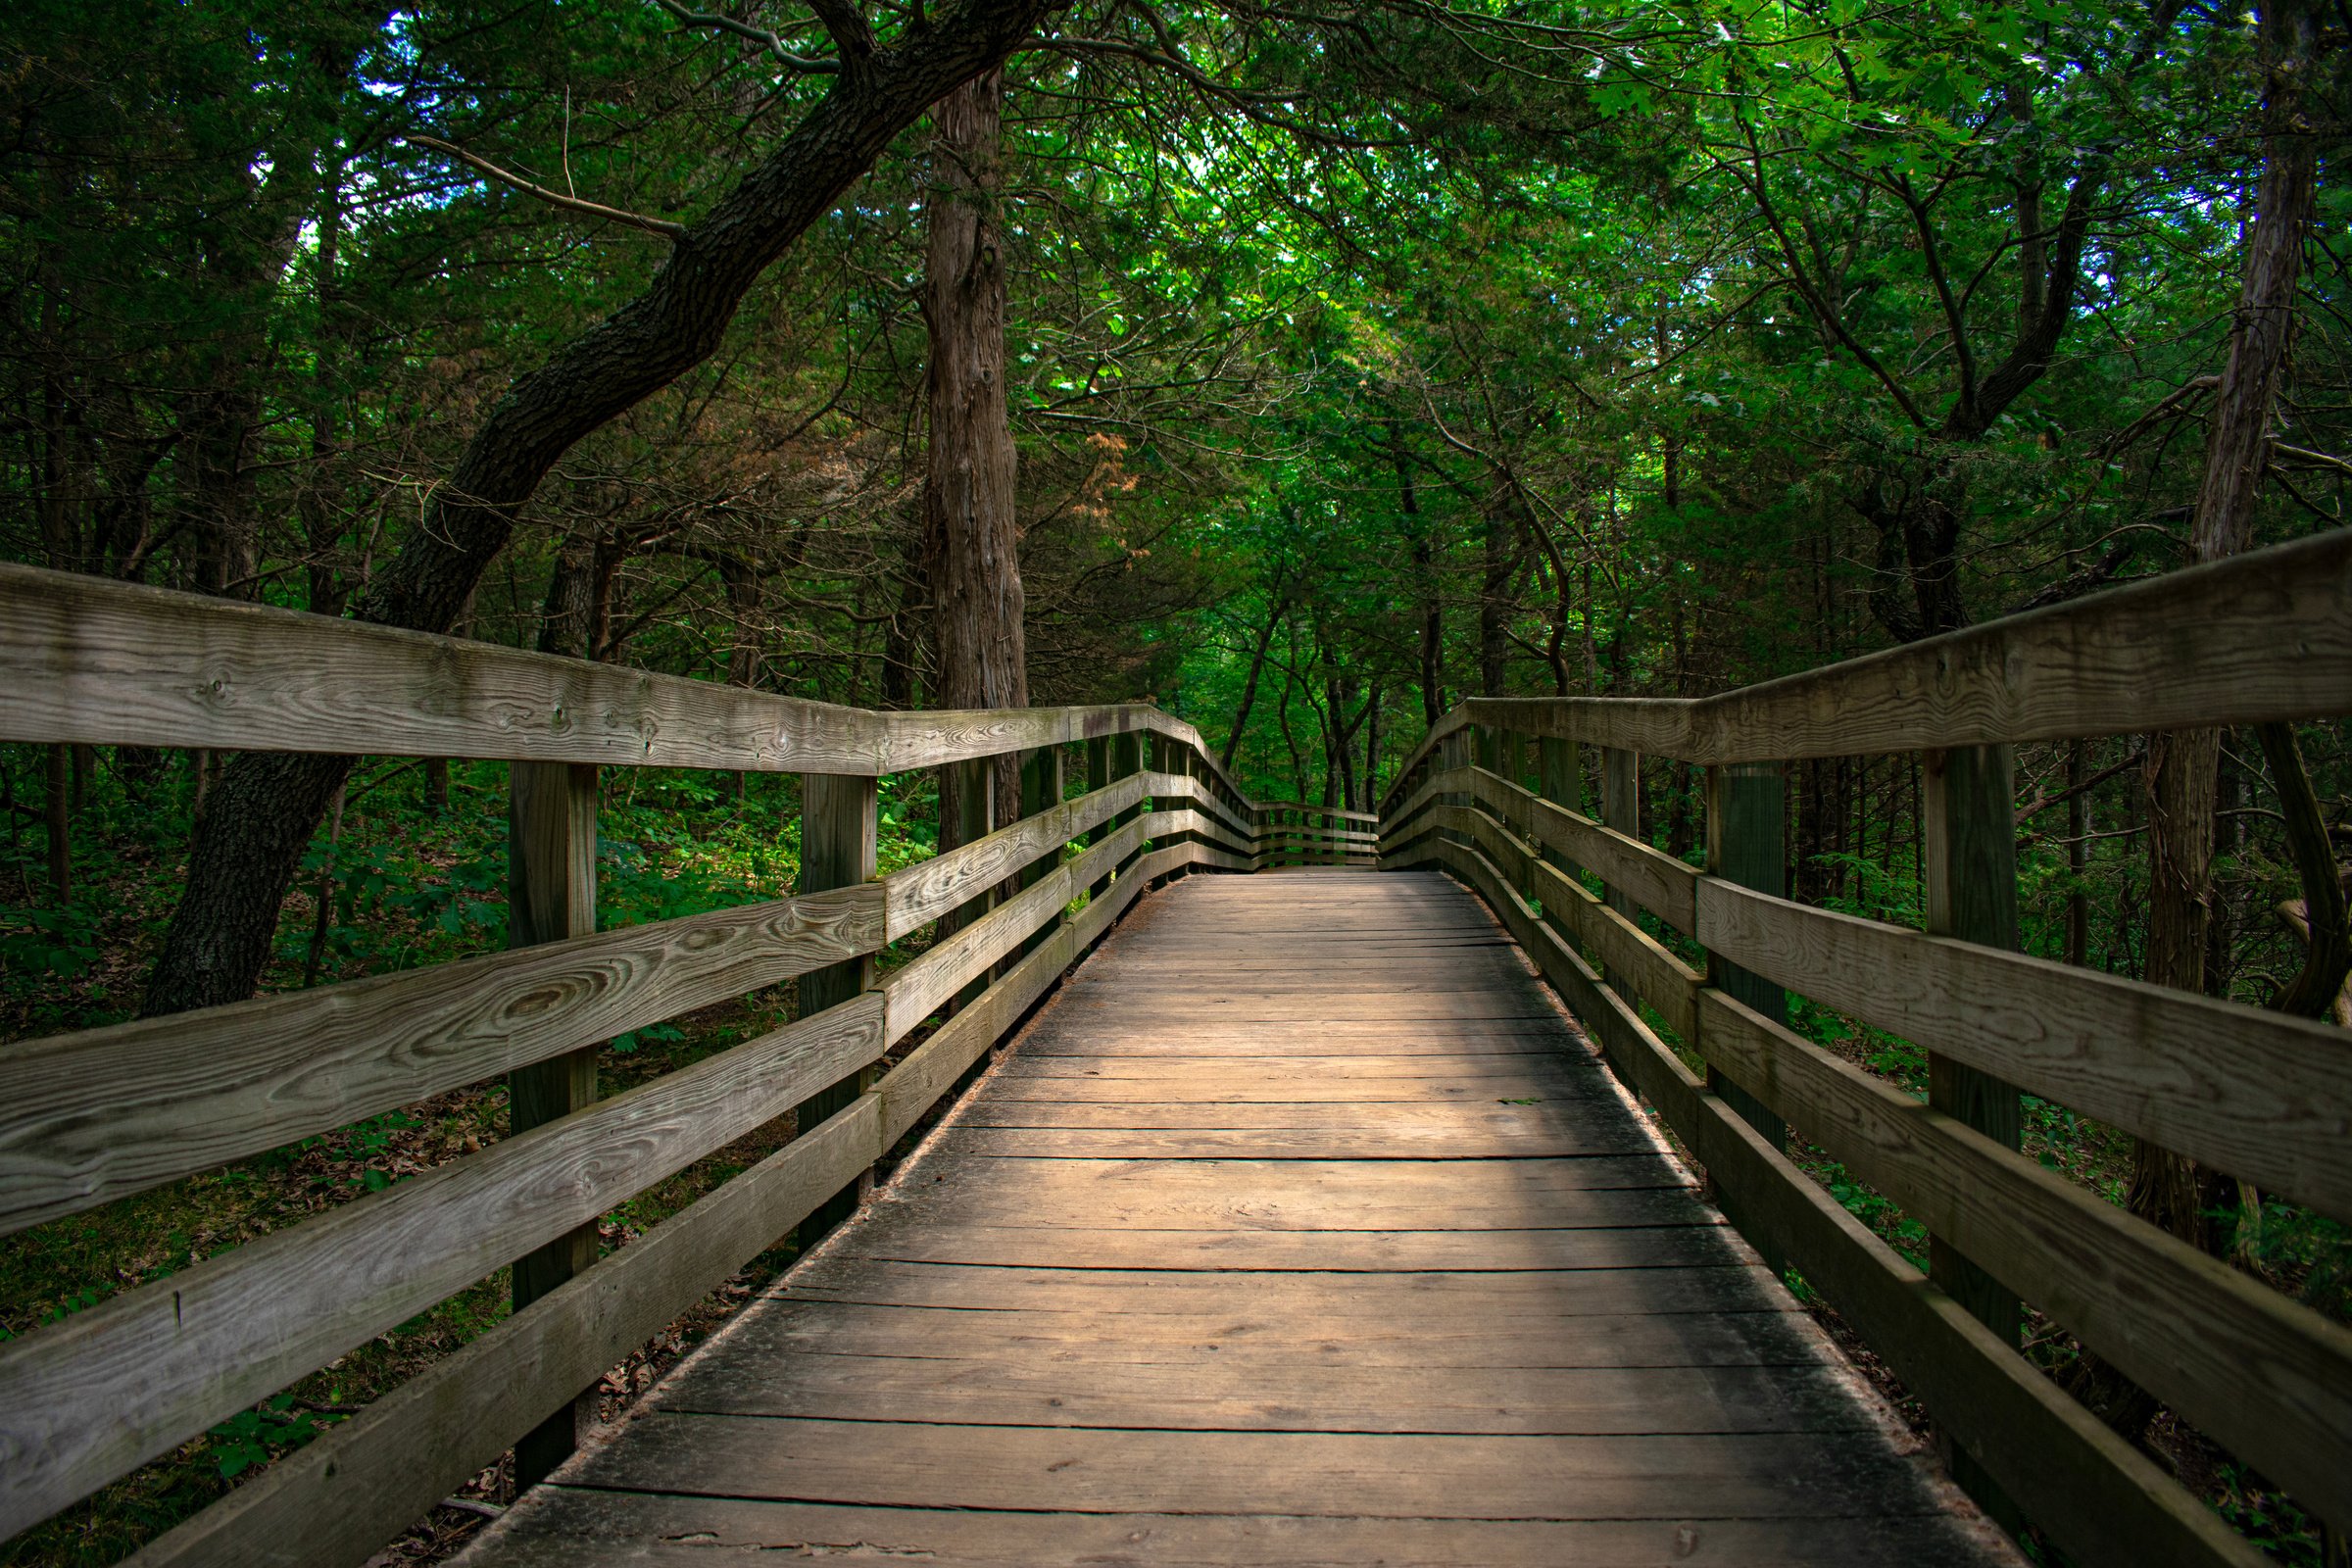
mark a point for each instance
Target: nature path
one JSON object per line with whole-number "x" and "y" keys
{"x": 1300, "y": 1226}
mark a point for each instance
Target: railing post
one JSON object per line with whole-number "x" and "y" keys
{"x": 1967, "y": 868}
{"x": 1746, "y": 828}
{"x": 1097, "y": 776}
{"x": 1126, "y": 759}
{"x": 836, "y": 851}
{"x": 967, "y": 811}
{"x": 1561, "y": 781}
{"x": 551, "y": 895}
{"x": 1621, "y": 809}
{"x": 1041, "y": 791}
{"x": 1969, "y": 865}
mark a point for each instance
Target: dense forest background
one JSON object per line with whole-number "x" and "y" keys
{"x": 1356, "y": 357}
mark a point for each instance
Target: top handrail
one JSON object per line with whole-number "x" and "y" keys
{"x": 90, "y": 659}
{"x": 2260, "y": 637}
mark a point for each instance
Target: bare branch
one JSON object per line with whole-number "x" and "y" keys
{"x": 556, "y": 198}
{"x": 805, "y": 65}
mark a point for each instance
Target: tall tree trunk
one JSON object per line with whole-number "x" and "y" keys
{"x": 2182, "y": 769}
{"x": 2183, "y": 765}
{"x": 741, "y": 576}
{"x": 1257, "y": 665}
{"x": 1495, "y": 594}
{"x": 1424, "y": 585}
{"x": 321, "y": 521}
{"x": 565, "y": 613}
{"x": 2078, "y": 856}
{"x": 969, "y": 495}
{"x": 254, "y": 831}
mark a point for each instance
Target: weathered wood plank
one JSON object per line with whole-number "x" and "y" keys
{"x": 2261, "y": 1374}
{"x": 169, "y": 1359}
{"x": 2263, "y": 636}
{"x": 1269, "y": 1339}
{"x": 839, "y": 821}
{"x": 568, "y": 1527}
{"x": 1653, "y": 879}
{"x": 89, "y": 1117}
{"x": 2102, "y": 1499}
{"x": 1519, "y": 1297}
{"x": 912, "y": 1238}
{"x": 923, "y": 892}
{"x": 86, "y": 658}
{"x": 338, "y": 1499}
{"x": 2257, "y": 1094}
{"x": 1758, "y": 1476}
{"x": 1969, "y": 875}
{"x": 917, "y": 990}
{"x": 915, "y": 1084}
{"x": 550, "y": 896}
{"x": 1037, "y": 1391}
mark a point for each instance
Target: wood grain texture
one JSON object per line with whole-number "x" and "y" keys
{"x": 917, "y": 990}
{"x": 1656, "y": 881}
{"x": 2258, "y": 1093}
{"x": 566, "y": 1527}
{"x": 2263, "y": 1375}
{"x": 1223, "y": 1319}
{"x": 83, "y": 659}
{"x": 2102, "y": 1499}
{"x": 1407, "y": 1475}
{"x": 929, "y": 889}
{"x": 89, "y": 1117}
{"x": 931, "y": 1069}
{"x": 2263, "y": 636}
{"x": 550, "y": 896}
{"x": 169, "y": 1359}
{"x": 334, "y": 1502}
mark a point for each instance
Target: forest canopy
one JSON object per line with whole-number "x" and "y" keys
{"x": 1304, "y": 367}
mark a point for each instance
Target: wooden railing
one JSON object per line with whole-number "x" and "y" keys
{"x": 1294, "y": 833}
{"x": 2263, "y": 1097}
{"x": 89, "y": 1117}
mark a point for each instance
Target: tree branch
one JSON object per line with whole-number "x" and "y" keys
{"x": 805, "y": 65}
{"x": 553, "y": 198}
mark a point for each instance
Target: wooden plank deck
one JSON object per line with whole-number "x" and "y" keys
{"x": 1299, "y": 1227}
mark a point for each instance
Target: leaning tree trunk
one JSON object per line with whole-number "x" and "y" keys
{"x": 2181, "y": 769}
{"x": 968, "y": 499}
{"x": 262, "y": 815}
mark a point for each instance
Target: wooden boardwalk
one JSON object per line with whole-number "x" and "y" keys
{"x": 1299, "y": 1227}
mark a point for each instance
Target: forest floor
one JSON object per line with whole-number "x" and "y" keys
{"x": 407, "y": 883}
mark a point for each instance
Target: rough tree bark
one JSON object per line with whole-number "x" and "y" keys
{"x": 969, "y": 494}
{"x": 2181, "y": 766}
{"x": 267, "y": 804}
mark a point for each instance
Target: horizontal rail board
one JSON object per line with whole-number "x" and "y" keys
{"x": 337, "y": 1501}
{"x": 89, "y": 660}
{"x": 2269, "y": 1379}
{"x": 929, "y": 889}
{"x": 2263, "y": 636}
{"x": 338, "y": 1498}
{"x": 2261, "y": 1096}
{"x": 168, "y": 1359}
{"x": 2099, "y": 1497}
{"x": 92, "y": 1116}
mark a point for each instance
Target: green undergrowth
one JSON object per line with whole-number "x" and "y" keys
{"x": 407, "y": 881}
